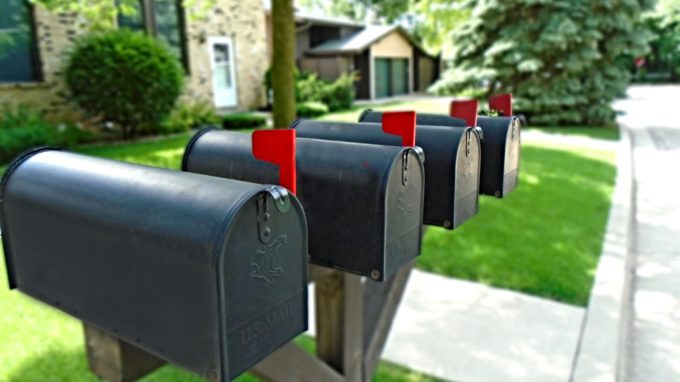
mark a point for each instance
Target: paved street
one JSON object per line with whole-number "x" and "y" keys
{"x": 654, "y": 351}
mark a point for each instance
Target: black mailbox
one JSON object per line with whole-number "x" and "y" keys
{"x": 500, "y": 146}
{"x": 206, "y": 273}
{"x": 452, "y": 163}
{"x": 363, "y": 202}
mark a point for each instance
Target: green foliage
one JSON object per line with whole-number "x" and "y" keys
{"x": 187, "y": 115}
{"x": 22, "y": 128}
{"x": 101, "y": 15}
{"x": 490, "y": 112}
{"x": 311, "y": 109}
{"x": 385, "y": 10}
{"x": 436, "y": 21}
{"x": 337, "y": 95}
{"x": 664, "y": 60}
{"x": 125, "y": 77}
{"x": 340, "y": 94}
{"x": 243, "y": 121}
{"x": 560, "y": 59}
{"x": 310, "y": 88}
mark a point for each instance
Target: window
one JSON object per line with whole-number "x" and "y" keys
{"x": 163, "y": 19}
{"x": 18, "y": 53}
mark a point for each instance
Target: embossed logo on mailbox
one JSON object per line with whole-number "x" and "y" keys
{"x": 264, "y": 263}
{"x": 404, "y": 205}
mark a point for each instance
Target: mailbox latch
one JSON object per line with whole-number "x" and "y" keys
{"x": 281, "y": 199}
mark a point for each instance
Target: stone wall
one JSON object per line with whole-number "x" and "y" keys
{"x": 243, "y": 20}
{"x": 55, "y": 35}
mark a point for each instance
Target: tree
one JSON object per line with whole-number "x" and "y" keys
{"x": 384, "y": 10}
{"x": 560, "y": 59}
{"x": 101, "y": 14}
{"x": 435, "y": 22}
{"x": 283, "y": 62}
{"x": 664, "y": 22}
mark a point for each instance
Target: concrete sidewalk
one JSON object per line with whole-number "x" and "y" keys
{"x": 464, "y": 331}
{"x": 654, "y": 347}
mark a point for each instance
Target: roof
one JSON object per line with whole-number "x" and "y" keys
{"x": 361, "y": 40}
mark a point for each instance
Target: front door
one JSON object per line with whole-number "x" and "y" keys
{"x": 223, "y": 78}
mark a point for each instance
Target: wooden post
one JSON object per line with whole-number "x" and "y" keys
{"x": 115, "y": 360}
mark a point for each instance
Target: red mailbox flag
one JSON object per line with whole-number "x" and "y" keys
{"x": 401, "y": 123}
{"x": 465, "y": 110}
{"x": 278, "y": 146}
{"x": 502, "y": 102}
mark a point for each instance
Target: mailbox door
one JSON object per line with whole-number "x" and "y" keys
{"x": 512, "y": 153}
{"x": 500, "y": 163}
{"x": 265, "y": 284}
{"x": 404, "y": 213}
{"x": 468, "y": 173}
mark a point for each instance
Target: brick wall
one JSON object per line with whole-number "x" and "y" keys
{"x": 243, "y": 20}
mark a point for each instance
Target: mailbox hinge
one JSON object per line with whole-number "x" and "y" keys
{"x": 468, "y": 143}
{"x": 281, "y": 200}
{"x": 404, "y": 167}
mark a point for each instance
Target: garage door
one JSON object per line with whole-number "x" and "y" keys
{"x": 391, "y": 77}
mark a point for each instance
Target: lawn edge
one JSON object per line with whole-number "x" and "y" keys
{"x": 601, "y": 353}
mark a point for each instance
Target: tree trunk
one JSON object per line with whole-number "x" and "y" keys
{"x": 283, "y": 62}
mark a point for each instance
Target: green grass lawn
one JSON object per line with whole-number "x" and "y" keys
{"x": 544, "y": 239}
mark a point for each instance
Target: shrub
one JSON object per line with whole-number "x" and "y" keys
{"x": 311, "y": 109}
{"x": 337, "y": 95}
{"x": 189, "y": 115}
{"x": 340, "y": 94}
{"x": 243, "y": 121}
{"x": 310, "y": 88}
{"x": 22, "y": 128}
{"x": 124, "y": 77}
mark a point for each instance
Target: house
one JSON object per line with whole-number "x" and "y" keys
{"x": 223, "y": 51}
{"x": 388, "y": 60}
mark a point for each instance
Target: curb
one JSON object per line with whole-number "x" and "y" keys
{"x": 602, "y": 351}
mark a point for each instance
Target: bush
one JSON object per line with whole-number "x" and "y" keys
{"x": 124, "y": 77}
{"x": 310, "y": 88}
{"x": 340, "y": 94}
{"x": 311, "y": 109}
{"x": 23, "y": 128}
{"x": 189, "y": 115}
{"x": 243, "y": 121}
{"x": 337, "y": 95}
